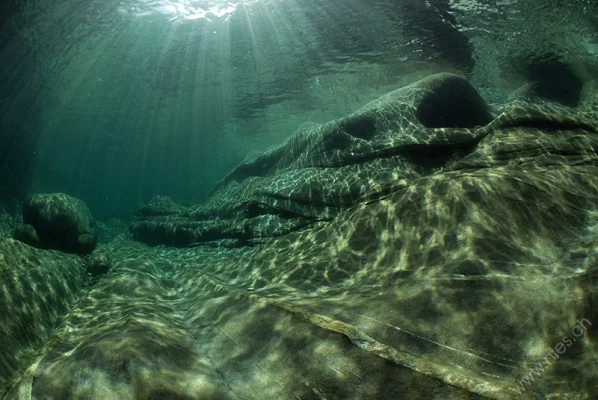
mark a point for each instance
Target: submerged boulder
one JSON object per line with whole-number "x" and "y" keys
{"x": 58, "y": 221}
{"x": 27, "y": 234}
{"x": 99, "y": 262}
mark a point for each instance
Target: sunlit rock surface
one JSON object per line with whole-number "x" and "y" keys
{"x": 39, "y": 288}
{"x": 423, "y": 247}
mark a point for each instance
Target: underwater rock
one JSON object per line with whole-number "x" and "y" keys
{"x": 27, "y": 234}
{"x": 86, "y": 243}
{"x": 100, "y": 262}
{"x": 160, "y": 205}
{"x": 422, "y": 247}
{"x": 318, "y": 173}
{"x": 62, "y": 222}
{"x": 37, "y": 290}
{"x": 553, "y": 80}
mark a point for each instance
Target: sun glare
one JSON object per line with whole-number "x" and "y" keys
{"x": 180, "y": 10}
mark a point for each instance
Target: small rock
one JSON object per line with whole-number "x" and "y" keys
{"x": 27, "y": 234}
{"x": 87, "y": 242}
{"x": 99, "y": 262}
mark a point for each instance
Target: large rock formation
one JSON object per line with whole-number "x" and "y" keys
{"x": 58, "y": 221}
{"x": 423, "y": 247}
{"x": 319, "y": 173}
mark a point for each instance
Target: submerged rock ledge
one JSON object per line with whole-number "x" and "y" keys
{"x": 423, "y": 247}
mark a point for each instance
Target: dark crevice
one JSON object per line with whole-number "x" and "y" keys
{"x": 337, "y": 140}
{"x": 424, "y": 155}
{"x": 255, "y": 209}
{"x": 437, "y": 156}
{"x": 552, "y": 79}
{"x": 277, "y": 196}
{"x": 453, "y": 103}
{"x": 544, "y": 124}
{"x": 360, "y": 127}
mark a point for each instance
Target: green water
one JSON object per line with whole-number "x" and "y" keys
{"x": 115, "y": 102}
{"x": 293, "y": 199}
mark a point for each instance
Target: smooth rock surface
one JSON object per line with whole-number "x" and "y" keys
{"x": 38, "y": 289}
